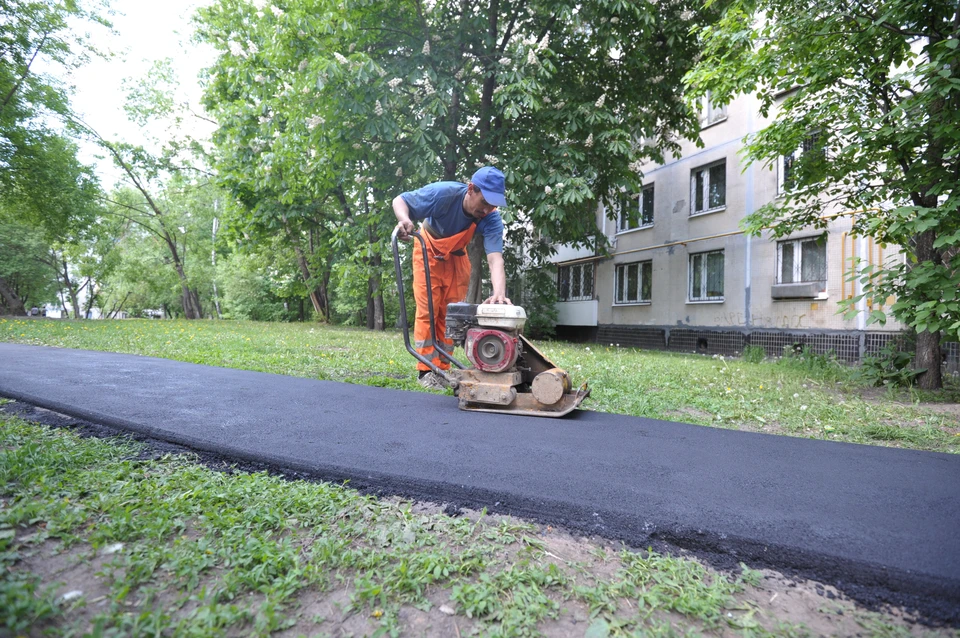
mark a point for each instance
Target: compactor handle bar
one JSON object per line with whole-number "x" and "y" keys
{"x": 403, "y": 307}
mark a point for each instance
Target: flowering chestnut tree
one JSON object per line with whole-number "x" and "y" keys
{"x": 327, "y": 110}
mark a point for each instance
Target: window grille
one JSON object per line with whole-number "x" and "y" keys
{"x": 802, "y": 261}
{"x": 633, "y": 282}
{"x": 708, "y": 188}
{"x": 706, "y": 276}
{"x": 635, "y": 214}
{"x": 575, "y": 282}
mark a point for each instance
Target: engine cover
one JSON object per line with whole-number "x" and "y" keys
{"x": 491, "y": 350}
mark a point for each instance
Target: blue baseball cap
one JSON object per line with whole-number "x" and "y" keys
{"x": 490, "y": 182}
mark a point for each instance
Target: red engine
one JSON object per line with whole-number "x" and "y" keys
{"x": 491, "y": 350}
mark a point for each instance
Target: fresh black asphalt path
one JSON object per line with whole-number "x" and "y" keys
{"x": 882, "y": 524}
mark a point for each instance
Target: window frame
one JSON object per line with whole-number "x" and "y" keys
{"x": 581, "y": 280}
{"x": 704, "y": 277}
{"x": 808, "y": 144}
{"x": 642, "y": 266}
{"x": 641, "y": 201}
{"x": 711, "y": 113}
{"x": 798, "y": 242}
{"x": 705, "y": 169}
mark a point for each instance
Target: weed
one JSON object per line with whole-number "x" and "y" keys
{"x": 891, "y": 366}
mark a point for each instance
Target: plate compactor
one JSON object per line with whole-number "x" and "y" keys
{"x": 508, "y": 374}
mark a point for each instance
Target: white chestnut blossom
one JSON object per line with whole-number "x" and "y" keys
{"x": 277, "y": 11}
{"x": 259, "y": 4}
{"x": 378, "y": 108}
{"x": 394, "y": 83}
{"x": 532, "y": 58}
{"x": 504, "y": 61}
{"x": 304, "y": 63}
{"x": 259, "y": 78}
{"x": 686, "y": 15}
{"x": 547, "y": 190}
{"x": 340, "y": 58}
{"x": 426, "y": 47}
{"x": 589, "y": 142}
{"x": 314, "y": 122}
{"x": 236, "y": 50}
{"x": 600, "y": 101}
{"x": 399, "y": 172}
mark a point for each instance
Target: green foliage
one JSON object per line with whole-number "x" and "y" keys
{"x": 252, "y": 289}
{"x": 808, "y": 360}
{"x": 328, "y": 110}
{"x": 25, "y": 266}
{"x": 891, "y": 366}
{"x": 754, "y": 354}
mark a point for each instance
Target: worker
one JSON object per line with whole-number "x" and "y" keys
{"x": 449, "y": 214}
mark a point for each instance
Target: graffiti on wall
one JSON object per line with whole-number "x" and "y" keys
{"x": 761, "y": 320}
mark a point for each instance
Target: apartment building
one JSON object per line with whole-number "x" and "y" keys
{"x": 681, "y": 275}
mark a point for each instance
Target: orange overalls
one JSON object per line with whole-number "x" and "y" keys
{"x": 449, "y": 277}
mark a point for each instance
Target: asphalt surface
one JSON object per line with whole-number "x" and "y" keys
{"x": 881, "y": 524}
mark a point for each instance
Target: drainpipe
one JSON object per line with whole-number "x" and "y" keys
{"x": 861, "y": 267}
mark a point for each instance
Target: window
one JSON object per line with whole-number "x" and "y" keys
{"x": 575, "y": 283}
{"x": 636, "y": 215}
{"x": 633, "y": 282}
{"x": 801, "y": 261}
{"x": 708, "y": 188}
{"x": 786, "y": 180}
{"x": 711, "y": 113}
{"x": 706, "y": 276}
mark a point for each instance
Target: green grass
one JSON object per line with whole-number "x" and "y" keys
{"x": 197, "y": 552}
{"x": 802, "y": 396}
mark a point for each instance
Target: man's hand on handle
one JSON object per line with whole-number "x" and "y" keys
{"x": 404, "y": 228}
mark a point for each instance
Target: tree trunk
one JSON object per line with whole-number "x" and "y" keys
{"x": 11, "y": 300}
{"x": 928, "y": 353}
{"x": 475, "y": 251}
{"x": 375, "y": 313}
{"x": 318, "y": 301}
{"x": 65, "y": 273}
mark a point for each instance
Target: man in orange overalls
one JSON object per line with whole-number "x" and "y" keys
{"x": 449, "y": 213}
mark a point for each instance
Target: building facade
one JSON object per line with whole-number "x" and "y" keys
{"x": 682, "y": 275}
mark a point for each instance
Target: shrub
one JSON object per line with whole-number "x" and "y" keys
{"x": 889, "y": 367}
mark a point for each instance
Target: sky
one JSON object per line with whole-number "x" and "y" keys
{"x": 145, "y": 32}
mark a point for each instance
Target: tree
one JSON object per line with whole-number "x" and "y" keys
{"x": 345, "y": 105}
{"x": 163, "y": 179}
{"x": 874, "y": 93}
{"x": 42, "y": 184}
